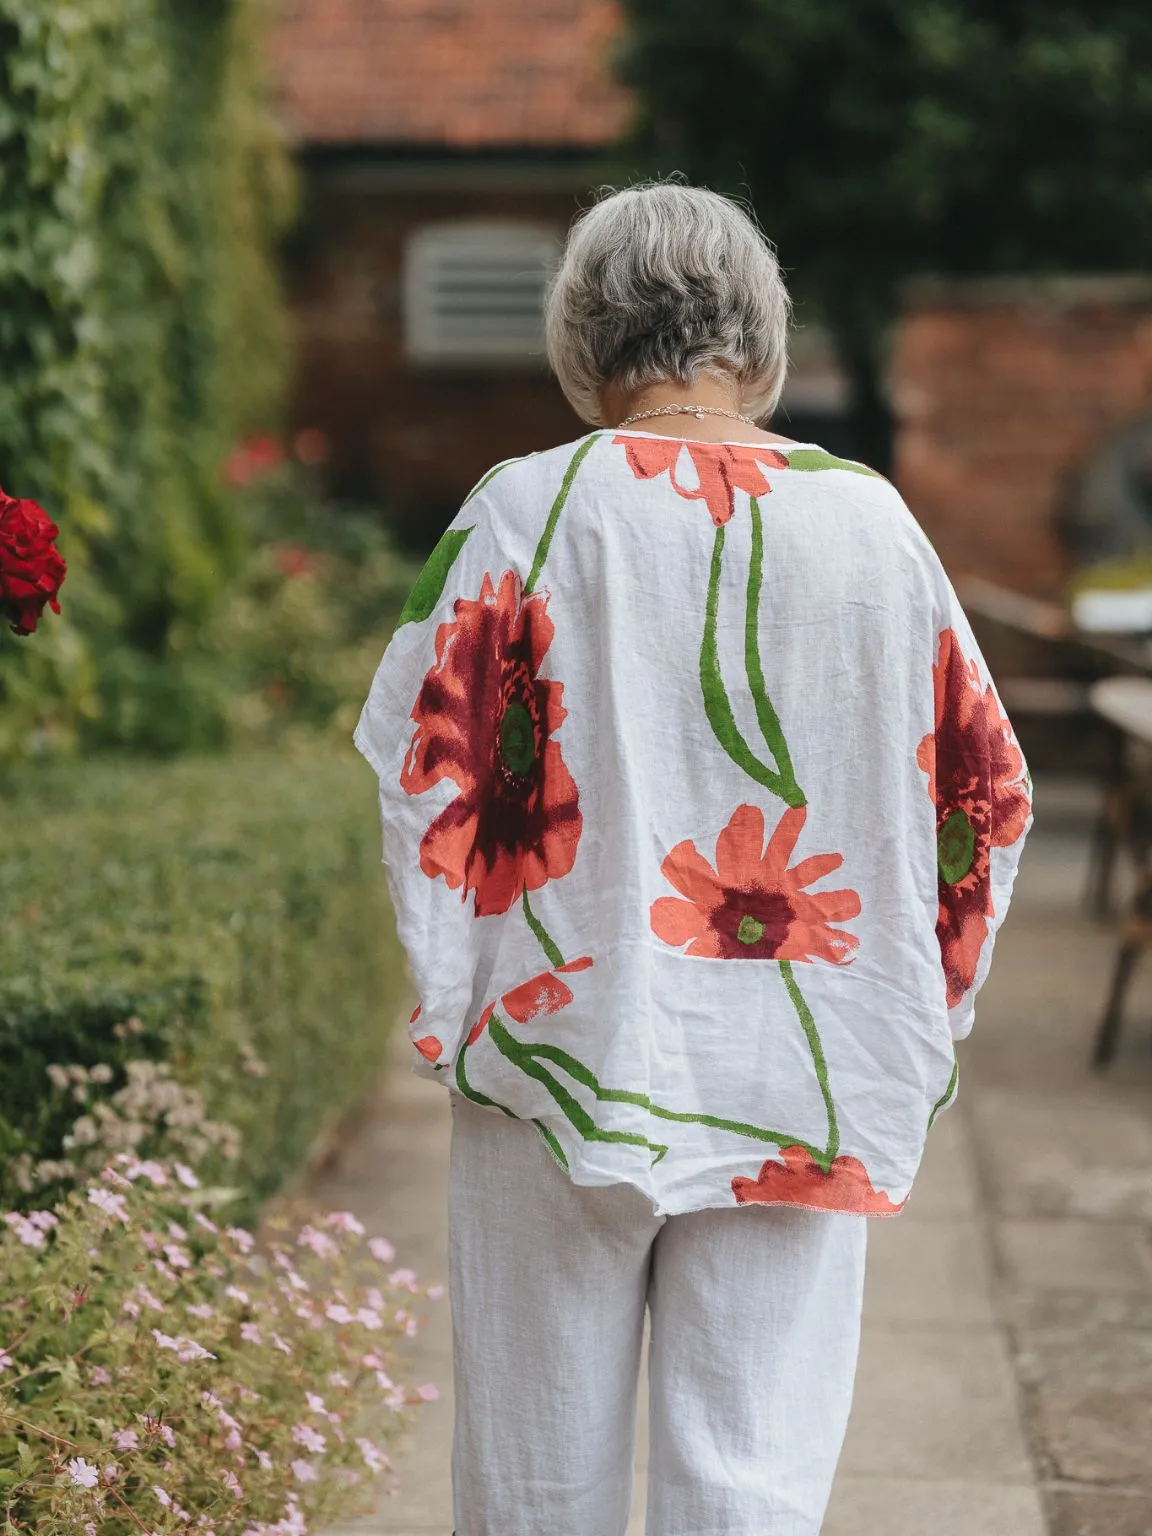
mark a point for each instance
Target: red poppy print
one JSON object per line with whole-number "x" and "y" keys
{"x": 752, "y": 906}
{"x": 429, "y": 1047}
{"x": 976, "y": 781}
{"x": 795, "y": 1178}
{"x": 487, "y": 721}
{"x": 722, "y": 469}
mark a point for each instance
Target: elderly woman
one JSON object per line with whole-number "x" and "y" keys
{"x": 700, "y": 815}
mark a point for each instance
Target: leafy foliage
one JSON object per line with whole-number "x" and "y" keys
{"x": 890, "y": 137}
{"x": 143, "y": 184}
{"x": 226, "y": 916}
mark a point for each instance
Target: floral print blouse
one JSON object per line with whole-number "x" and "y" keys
{"x": 700, "y": 815}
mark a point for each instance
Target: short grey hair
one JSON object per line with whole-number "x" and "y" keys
{"x": 661, "y": 283}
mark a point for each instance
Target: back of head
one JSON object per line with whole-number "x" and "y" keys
{"x": 661, "y": 283}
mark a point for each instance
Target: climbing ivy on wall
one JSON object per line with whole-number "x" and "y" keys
{"x": 143, "y": 184}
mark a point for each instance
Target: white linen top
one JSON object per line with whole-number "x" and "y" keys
{"x": 700, "y": 815}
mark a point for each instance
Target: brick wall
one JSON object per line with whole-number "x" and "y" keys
{"x": 1002, "y": 389}
{"x": 413, "y": 436}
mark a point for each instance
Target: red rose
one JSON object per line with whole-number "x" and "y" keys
{"x": 31, "y": 567}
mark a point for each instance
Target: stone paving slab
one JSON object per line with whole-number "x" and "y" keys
{"x": 1091, "y": 1398}
{"x": 1077, "y": 1255}
{"x": 938, "y": 1402}
{"x": 881, "y": 1506}
{"x": 1100, "y": 1514}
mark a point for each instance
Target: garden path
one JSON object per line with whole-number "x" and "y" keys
{"x": 1005, "y": 1384}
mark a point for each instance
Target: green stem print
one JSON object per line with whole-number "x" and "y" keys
{"x": 545, "y": 543}
{"x": 718, "y": 707}
{"x": 812, "y": 1035}
{"x": 541, "y": 934}
{"x": 947, "y": 1096}
{"x": 766, "y": 714}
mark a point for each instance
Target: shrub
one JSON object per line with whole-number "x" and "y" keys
{"x": 156, "y": 1372}
{"x": 141, "y": 334}
{"x": 225, "y": 916}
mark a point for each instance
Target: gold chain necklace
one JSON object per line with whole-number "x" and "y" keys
{"x": 699, "y": 411}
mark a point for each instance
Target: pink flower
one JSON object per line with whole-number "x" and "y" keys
{"x": 319, "y": 1242}
{"x": 157, "y": 1429}
{"x": 5, "y": 1360}
{"x": 344, "y": 1221}
{"x": 99, "y": 1377}
{"x": 336, "y": 1312}
{"x": 111, "y": 1472}
{"x": 369, "y": 1319}
{"x": 202, "y": 1311}
{"x": 304, "y": 1471}
{"x": 380, "y": 1248}
{"x": 112, "y": 1205}
{"x": 310, "y": 1439}
{"x": 177, "y": 1231}
{"x": 190, "y": 1350}
{"x": 251, "y": 1334}
{"x": 403, "y": 1277}
{"x": 384, "y": 1381}
{"x": 82, "y": 1474}
{"x": 265, "y": 1461}
{"x": 135, "y": 1169}
{"x": 243, "y": 1240}
{"x": 45, "y": 1220}
{"x": 236, "y": 1294}
{"x": 232, "y": 1482}
{"x": 285, "y": 1349}
{"x": 435, "y": 1292}
{"x": 374, "y": 1459}
{"x": 315, "y": 1403}
{"x": 178, "y": 1257}
{"x": 125, "y": 1440}
{"x": 186, "y": 1176}
{"x": 203, "y": 1221}
{"x": 428, "y": 1393}
{"x": 165, "y": 1340}
{"x": 337, "y": 1379}
{"x": 164, "y": 1497}
{"x": 29, "y": 1235}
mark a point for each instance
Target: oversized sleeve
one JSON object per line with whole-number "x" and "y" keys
{"x": 418, "y": 730}
{"x": 981, "y": 790}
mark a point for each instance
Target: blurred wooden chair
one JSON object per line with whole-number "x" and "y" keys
{"x": 1126, "y": 704}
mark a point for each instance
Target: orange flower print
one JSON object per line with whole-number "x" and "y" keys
{"x": 722, "y": 469}
{"x": 795, "y": 1178}
{"x": 975, "y": 778}
{"x": 429, "y": 1047}
{"x": 752, "y": 906}
{"x": 538, "y": 998}
{"x": 486, "y": 720}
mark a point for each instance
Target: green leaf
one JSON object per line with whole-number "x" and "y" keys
{"x": 817, "y": 458}
{"x": 425, "y": 595}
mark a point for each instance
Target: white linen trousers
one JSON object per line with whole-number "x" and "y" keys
{"x": 755, "y": 1327}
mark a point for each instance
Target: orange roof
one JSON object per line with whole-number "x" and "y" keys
{"x": 460, "y": 73}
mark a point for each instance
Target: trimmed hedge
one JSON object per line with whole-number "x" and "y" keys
{"x": 235, "y": 906}
{"x": 144, "y": 186}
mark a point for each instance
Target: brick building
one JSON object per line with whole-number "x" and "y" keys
{"x": 1009, "y": 395}
{"x": 445, "y": 146}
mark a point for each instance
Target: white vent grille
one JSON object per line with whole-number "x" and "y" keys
{"x": 474, "y": 293}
